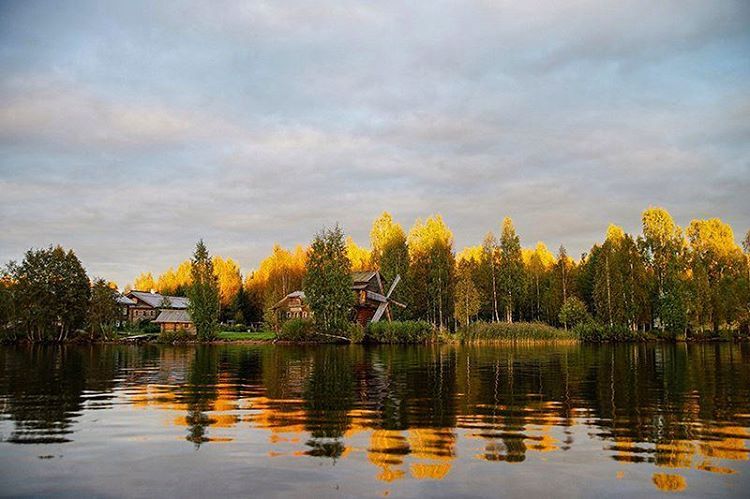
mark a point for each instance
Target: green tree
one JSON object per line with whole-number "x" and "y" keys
{"x": 562, "y": 283}
{"x": 663, "y": 254}
{"x": 103, "y": 310}
{"x": 7, "y": 304}
{"x": 203, "y": 293}
{"x": 511, "y": 272}
{"x": 52, "y": 293}
{"x": 573, "y": 312}
{"x": 466, "y": 301}
{"x": 328, "y": 281}
{"x": 719, "y": 263}
{"x": 488, "y": 276}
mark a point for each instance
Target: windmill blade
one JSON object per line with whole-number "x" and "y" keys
{"x": 393, "y": 286}
{"x": 379, "y": 312}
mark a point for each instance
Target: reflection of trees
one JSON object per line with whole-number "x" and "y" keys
{"x": 42, "y": 388}
{"x": 673, "y": 406}
{"x": 328, "y": 399}
{"x": 201, "y": 392}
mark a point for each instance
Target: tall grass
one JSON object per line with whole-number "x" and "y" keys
{"x": 400, "y": 332}
{"x": 517, "y": 331}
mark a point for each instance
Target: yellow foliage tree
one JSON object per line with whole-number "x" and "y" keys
{"x": 230, "y": 279}
{"x": 144, "y": 282}
{"x": 359, "y": 257}
{"x": 431, "y": 269}
{"x": 277, "y": 275}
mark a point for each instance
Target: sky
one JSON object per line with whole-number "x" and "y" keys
{"x": 129, "y": 130}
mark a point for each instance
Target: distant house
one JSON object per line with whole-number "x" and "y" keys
{"x": 123, "y": 307}
{"x": 371, "y": 299}
{"x": 148, "y": 305}
{"x": 175, "y": 320}
{"x": 292, "y": 306}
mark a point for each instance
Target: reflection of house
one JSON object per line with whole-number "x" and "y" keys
{"x": 175, "y": 320}
{"x": 371, "y": 299}
{"x": 148, "y": 305}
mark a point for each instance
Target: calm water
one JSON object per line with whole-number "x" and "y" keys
{"x": 399, "y": 421}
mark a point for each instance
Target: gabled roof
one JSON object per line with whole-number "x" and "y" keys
{"x": 293, "y": 294}
{"x": 174, "y": 316}
{"x": 155, "y": 300}
{"x": 363, "y": 276}
{"x": 124, "y": 300}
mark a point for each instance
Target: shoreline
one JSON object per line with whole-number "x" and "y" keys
{"x": 454, "y": 341}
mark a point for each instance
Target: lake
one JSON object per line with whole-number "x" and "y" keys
{"x": 337, "y": 421}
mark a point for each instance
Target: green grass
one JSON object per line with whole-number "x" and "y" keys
{"x": 258, "y": 336}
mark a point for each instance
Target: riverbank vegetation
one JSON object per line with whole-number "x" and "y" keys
{"x": 666, "y": 282}
{"x": 481, "y": 331}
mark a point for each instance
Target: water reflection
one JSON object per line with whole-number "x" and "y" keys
{"x": 411, "y": 413}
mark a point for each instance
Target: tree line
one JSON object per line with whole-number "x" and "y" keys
{"x": 48, "y": 297}
{"x": 693, "y": 281}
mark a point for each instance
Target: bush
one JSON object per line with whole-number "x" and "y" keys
{"x": 400, "y": 332}
{"x": 179, "y": 336}
{"x": 516, "y": 331}
{"x": 297, "y": 330}
{"x": 595, "y": 332}
{"x": 355, "y": 332}
{"x": 148, "y": 327}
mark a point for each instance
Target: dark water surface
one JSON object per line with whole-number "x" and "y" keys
{"x": 264, "y": 420}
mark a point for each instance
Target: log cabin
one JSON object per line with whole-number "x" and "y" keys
{"x": 175, "y": 320}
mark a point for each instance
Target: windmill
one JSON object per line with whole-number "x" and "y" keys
{"x": 385, "y": 301}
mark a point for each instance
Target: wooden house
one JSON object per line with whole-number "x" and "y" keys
{"x": 371, "y": 301}
{"x": 147, "y": 305}
{"x": 292, "y": 306}
{"x": 175, "y": 320}
{"x": 123, "y": 309}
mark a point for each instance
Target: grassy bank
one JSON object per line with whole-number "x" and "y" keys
{"x": 246, "y": 336}
{"x": 513, "y": 332}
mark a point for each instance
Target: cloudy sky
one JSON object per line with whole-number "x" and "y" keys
{"x": 130, "y": 129}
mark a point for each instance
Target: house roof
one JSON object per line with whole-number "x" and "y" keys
{"x": 155, "y": 300}
{"x": 293, "y": 294}
{"x": 124, "y": 300}
{"x": 363, "y": 276}
{"x": 174, "y": 316}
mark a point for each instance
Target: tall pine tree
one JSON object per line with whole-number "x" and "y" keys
{"x": 203, "y": 292}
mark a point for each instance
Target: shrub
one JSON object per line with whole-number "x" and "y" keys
{"x": 595, "y": 332}
{"x": 179, "y": 336}
{"x": 517, "y": 331}
{"x": 297, "y": 330}
{"x": 355, "y": 332}
{"x": 148, "y": 327}
{"x": 400, "y": 332}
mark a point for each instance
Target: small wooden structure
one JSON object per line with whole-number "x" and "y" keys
{"x": 175, "y": 320}
{"x": 371, "y": 300}
{"x": 292, "y": 306}
{"x": 147, "y": 305}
